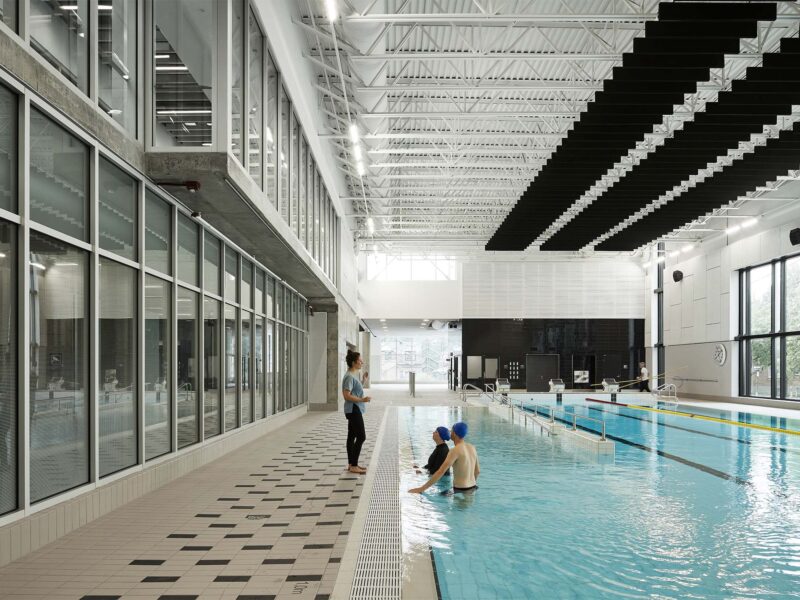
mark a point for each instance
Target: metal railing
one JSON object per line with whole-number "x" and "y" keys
{"x": 465, "y": 389}
{"x": 576, "y": 416}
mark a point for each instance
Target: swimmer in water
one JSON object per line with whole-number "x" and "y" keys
{"x": 439, "y": 454}
{"x": 464, "y": 460}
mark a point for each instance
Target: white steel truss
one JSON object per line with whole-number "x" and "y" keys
{"x": 459, "y": 103}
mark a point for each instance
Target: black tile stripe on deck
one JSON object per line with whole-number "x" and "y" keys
{"x": 95, "y": 597}
{"x": 277, "y": 561}
{"x": 258, "y": 547}
{"x": 142, "y": 561}
{"x": 197, "y": 548}
{"x": 304, "y": 578}
{"x": 239, "y": 535}
{"x": 231, "y": 578}
{"x": 213, "y": 561}
{"x": 255, "y": 597}
{"x": 160, "y": 579}
{"x": 177, "y": 597}
{"x": 182, "y": 536}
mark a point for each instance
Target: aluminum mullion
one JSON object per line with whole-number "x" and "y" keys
{"x": 173, "y": 260}
{"x": 92, "y": 386}
{"x": 23, "y": 307}
{"x": 141, "y": 278}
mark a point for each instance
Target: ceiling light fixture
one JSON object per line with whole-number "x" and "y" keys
{"x": 332, "y": 9}
{"x": 360, "y": 169}
{"x": 733, "y": 229}
{"x": 749, "y": 222}
{"x": 355, "y": 134}
{"x": 371, "y": 225}
{"x": 687, "y": 248}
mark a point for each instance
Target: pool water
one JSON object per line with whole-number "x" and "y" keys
{"x": 688, "y": 508}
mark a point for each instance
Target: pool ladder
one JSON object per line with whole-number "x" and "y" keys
{"x": 668, "y": 394}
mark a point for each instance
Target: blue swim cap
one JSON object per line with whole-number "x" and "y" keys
{"x": 444, "y": 433}
{"x": 460, "y": 429}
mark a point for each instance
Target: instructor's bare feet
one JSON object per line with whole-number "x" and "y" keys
{"x": 357, "y": 470}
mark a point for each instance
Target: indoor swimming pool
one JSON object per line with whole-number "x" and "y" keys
{"x": 687, "y": 508}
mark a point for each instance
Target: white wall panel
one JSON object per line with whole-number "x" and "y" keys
{"x": 552, "y": 289}
{"x": 713, "y": 305}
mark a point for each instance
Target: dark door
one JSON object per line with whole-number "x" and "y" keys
{"x": 611, "y": 366}
{"x": 539, "y": 370}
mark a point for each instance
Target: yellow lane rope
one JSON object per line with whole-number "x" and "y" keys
{"x": 714, "y": 419}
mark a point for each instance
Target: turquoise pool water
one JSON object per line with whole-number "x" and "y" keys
{"x": 687, "y": 509}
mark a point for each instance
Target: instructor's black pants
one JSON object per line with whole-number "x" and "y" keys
{"x": 355, "y": 436}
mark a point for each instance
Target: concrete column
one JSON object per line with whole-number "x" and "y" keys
{"x": 364, "y": 349}
{"x": 324, "y": 357}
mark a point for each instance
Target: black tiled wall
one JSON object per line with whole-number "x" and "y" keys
{"x": 605, "y": 347}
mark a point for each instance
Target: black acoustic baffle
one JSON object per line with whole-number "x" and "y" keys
{"x": 777, "y": 157}
{"x": 675, "y": 53}
{"x": 768, "y": 92}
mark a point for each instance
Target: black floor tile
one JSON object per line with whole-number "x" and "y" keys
{"x": 296, "y": 534}
{"x": 239, "y": 535}
{"x": 91, "y": 597}
{"x": 329, "y": 522}
{"x": 317, "y": 546}
{"x": 213, "y": 561}
{"x": 258, "y": 547}
{"x": 255, "y": 597}
{"x": 304, "y": 578}
{"x": 160, "y": 579}
{"x": 208, "y": 515}
{"x": 197, "y": 548}
{"x": 277, "y": 561}
{"x": 182, "y": 536}
{"x": 177, "y": 597}
{"x": 223, "y": 525}
{"x": 140, "y": 561}
{"x": 231, "y": 578}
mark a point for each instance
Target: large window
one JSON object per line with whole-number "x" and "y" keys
{"x": 385, "y": 267}
{"x": 157, "y": 367}
{"x": 117, "y": 196}
{"x": 8, "y": 368}
{"x": 8, "y": 150}
{"x": 393, "y": 357}
{"x": 188, "y": 247}
{"x": 187, "y": 368}
{"x": 770, "y": 330}
{"x": 285, "y": 121}
{"x": 185, "y": 51}
{"x": 270, "y": 143}
{"x": 59, "y": 170}
{"x": 256, "y": 97}
{"x": 231, "y": 363}
{"x": 237, "y": 75}
{"x": 116, "y": 65}
{"x": 211, "y": 362}
{"x": 157, "y": 234}
{"x": 59, "y": 32}
{"x": 116, "y": 387}
{"x": 59, "y": 363}
{"x": 8, "y": 13}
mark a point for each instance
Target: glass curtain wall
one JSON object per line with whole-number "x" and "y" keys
{"x": 157, "y": 367}
{"x": 231, "y": 364}
{"x": 271, "y": 165}
{"x": 284, "y": 135}
{"x": 60, "y": 33}
{"x": 59, "y": 178}
{"x": 8, "y": 365}
{"x": 237, "y": 75}
{"x": 8, "y": 13}
{"x": 187, "y": 368}
{"x": 59, "y": 366}
{"x": 184, "y": 53}
{"x": 212, "y": 359}
{"x": 770, "y": 326}
{"x": 118, "y": 207}
{"x": 118, "y": 373}
{"x": 256, "y": 42}
{"x": 117, "y": 73}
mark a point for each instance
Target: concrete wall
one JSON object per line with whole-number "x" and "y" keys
{"x": 410, "y": 299}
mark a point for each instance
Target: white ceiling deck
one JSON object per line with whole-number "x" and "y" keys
{"x": 459, "y": 103}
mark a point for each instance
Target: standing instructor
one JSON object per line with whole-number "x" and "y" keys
{"x": 354, "y": 407}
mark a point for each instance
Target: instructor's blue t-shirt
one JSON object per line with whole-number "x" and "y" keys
{"x": 353, "y": 385}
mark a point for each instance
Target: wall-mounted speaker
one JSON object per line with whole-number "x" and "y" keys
{"x": 794, "y": 236}
{"x": 677, "y": 276}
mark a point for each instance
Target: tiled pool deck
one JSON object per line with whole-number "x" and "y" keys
{"x": 269, "y": 520}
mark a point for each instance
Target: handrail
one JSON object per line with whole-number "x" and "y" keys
{"x": 575, "y": 417}
{"x": 469, "y": 386}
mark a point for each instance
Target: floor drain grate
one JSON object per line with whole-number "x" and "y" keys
{"x": 379, "y": 565}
